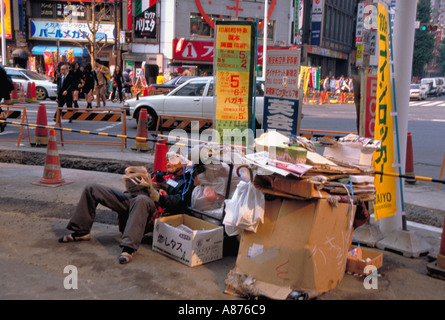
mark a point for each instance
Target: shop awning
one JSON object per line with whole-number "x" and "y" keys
{"x": 78, "y": 52}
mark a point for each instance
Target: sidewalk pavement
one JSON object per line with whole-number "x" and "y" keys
{"x": 32, "y": 262}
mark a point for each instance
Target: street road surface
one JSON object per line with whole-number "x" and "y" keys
{"x": 426, "y": 124}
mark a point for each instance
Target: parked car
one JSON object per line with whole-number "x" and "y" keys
{"x": 417, "y": 91}
{"x": 432, "y": 83}
{"x": 194, "y": 98}
{"x": 45, "y": 88}
{"x": 168, "y": 85}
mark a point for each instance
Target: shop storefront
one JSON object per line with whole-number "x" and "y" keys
{"x": 150, "y": 63}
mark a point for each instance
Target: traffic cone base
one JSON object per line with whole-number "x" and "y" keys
{"x": 52, "y": 175}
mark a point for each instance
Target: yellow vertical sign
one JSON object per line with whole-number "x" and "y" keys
{"x": 383, "y": 159}
{"x": 234, "y": 57}
{"x": 7, "y": 12}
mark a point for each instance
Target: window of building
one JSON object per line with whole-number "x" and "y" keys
{"x": 199, "y": 27}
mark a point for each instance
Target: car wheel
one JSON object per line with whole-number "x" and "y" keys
{"x": 41, "y": 93}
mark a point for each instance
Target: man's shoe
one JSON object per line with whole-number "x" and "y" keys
{"x": 126, "y": 257}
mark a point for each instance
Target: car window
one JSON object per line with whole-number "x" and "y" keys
{"x": 34, "y": 75}
{"x": 18, "y": 77}
{"x": 193, "y": 88}
{"x": 210, "y": 91}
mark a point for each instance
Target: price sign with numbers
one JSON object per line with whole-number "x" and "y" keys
{"x": 234, "y": 66}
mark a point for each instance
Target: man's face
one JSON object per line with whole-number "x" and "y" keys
{"x": 174, "y": 165}
{"x": 64, "y": 69}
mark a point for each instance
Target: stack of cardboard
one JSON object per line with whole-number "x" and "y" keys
{"x": 301, "y": 248}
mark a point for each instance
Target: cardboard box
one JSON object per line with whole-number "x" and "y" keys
{"x": 363, "y": 257}
{"x": 187, "y": 239}
{"x": 287, "y": 187}
{"x": 350, "y": 153}
{"x": 301, "y": 246}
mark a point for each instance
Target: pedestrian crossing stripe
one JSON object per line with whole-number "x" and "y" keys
{"x": 427, "y": 104}
{"x": 91, "y": 116}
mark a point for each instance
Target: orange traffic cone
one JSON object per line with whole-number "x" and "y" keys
{"x": 28, "y": 92}
{"x": 14, "y": 95}
{"x": 41, "y": 134}
{"x": 52, "y": 175}
{"x": 409, "y": 167}
{"x": 142, "y": 145}
{"x": 145, "y": 92}
{"x": 160, "y": 161}
{"x": 33, "y": 92}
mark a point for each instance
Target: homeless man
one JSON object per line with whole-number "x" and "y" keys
{"x": 138, "y": 207}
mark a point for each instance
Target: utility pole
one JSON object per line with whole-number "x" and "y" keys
{"x": 3, "y": 34}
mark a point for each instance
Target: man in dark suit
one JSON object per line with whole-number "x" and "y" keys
{"x": 64, "y": 88}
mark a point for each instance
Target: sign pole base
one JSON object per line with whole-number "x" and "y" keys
{"x": 408, "y": 243}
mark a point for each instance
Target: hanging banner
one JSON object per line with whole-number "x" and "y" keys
{"x": 7, "y": 17}
{"x": 70, "y": 56}
{"x": 49, "y": 63}
{"x": 281, "y": 101}
{"x": 383, "y": 159}
{"x": 234, "y": 66}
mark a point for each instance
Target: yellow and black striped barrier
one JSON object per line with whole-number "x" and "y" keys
{"x": 405, "y": 176}
{"x": 85, "y": 114}
{"x": 104, "y": 134}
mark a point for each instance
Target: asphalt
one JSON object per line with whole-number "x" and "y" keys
{"x": 32, "y": 262}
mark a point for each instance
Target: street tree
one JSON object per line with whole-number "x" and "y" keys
{"x": 423, "y": 41}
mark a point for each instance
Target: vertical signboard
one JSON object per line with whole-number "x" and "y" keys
{"x": 7, "y": 17}
{"x": 317, "y": 17}
{"x": 383, "y": 158}
{"x": 145, "y": 19}
{"x": 281, "y": 101}
{"x": 298, "y": 21}
{"x": 234, "y": 66}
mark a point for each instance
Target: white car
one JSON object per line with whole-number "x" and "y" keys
{"x": 417, "y": 91}
{"x": 194, "y": 98}
{"x": 45, "y": 88}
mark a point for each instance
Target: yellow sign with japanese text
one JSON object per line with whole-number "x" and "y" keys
{"x": 234, "y": 58}
{"x": 383, "y": 160}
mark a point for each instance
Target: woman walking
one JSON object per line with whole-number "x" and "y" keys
{"x": 77, "y": 82}
{"x": 118, "y": 79}
{"x": 88, "y": 86}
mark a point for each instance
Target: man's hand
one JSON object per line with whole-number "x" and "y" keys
{"x": 65, "y": 93}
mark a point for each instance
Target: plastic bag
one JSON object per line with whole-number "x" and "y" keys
{"x": 244, "y": 210}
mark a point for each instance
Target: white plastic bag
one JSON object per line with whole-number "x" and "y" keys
{"x": 244, "y": 210}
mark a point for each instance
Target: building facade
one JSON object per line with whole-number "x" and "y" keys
{"x": 171, "y": 36}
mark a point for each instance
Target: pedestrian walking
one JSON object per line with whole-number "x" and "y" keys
{"x": 88, "y": 84}
{"x": 119, "y": 80}
{"x": 102, "y": 77}
{"x": 127, "y": 82}
{"x": 64, "y": 89}
{"x": 77, "y": 81}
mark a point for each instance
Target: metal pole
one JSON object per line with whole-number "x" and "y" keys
{"x": 266, "y": 9}
{"x": 3, "y": 34}
{"x": 404, "y": 27}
